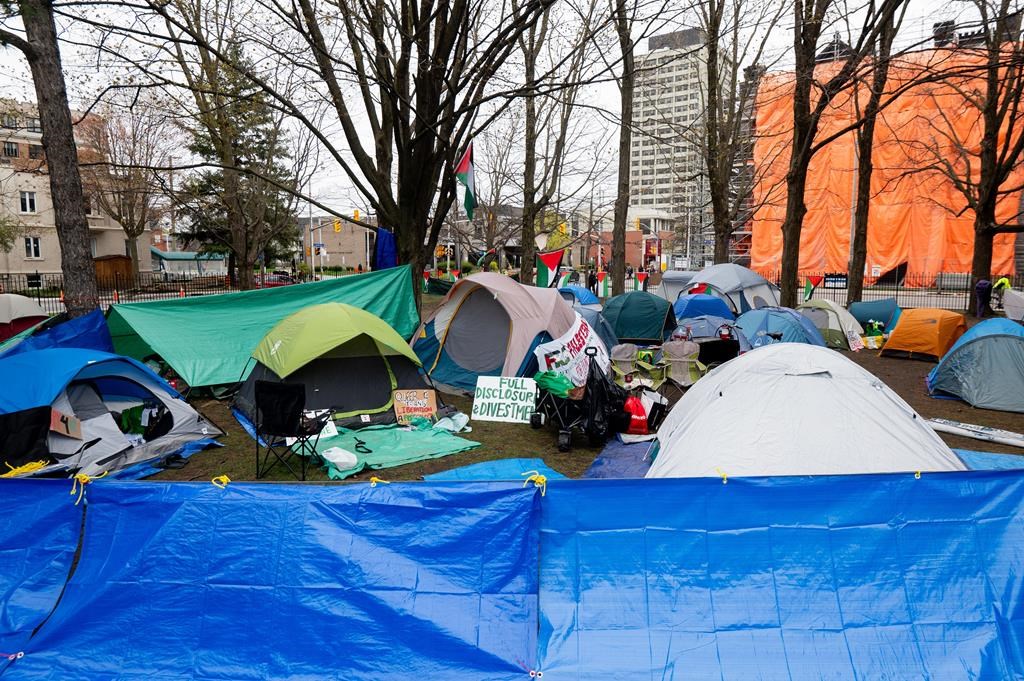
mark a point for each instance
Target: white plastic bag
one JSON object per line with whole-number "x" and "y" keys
{"x": 341, "y": 458}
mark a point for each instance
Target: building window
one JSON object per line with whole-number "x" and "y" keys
{"x": 35, "y": 151}
{"x": 28, "y": 202}
{"x": 10, "y": 121}
{"x": 89, "y": 204}
{"x": 33, "y": 125}
{"x": 11, "y": 149}
{"x": 92, "y": 246}
{"x": 32, "y": 248}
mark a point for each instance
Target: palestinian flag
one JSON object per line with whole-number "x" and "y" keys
{"x": 464, "y": 173}
{"x": 547, "y": 267}
{"x": 809, "y": 286}
{"x": 426, "y": 280}
{"x": 563, "y": 280}
{"x": 604, "y": 285}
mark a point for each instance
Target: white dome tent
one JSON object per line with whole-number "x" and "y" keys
{"x": 795, "y": 409}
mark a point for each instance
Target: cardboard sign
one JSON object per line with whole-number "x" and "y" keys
{"x": 567, "y": 354}
{"x": 412, "y": 403}
{"x": 509, "y": 400}
{"x": 68, "y": 426}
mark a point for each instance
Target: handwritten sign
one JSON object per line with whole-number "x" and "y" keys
{"x": 567, "y": 354}
{"x": 509, "y": 400}
{"x": 65, "y": 425}
{"x": 412, "y": 403}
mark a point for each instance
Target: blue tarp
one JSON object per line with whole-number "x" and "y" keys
{"x": 39, "y": 527}
{"x": 88, "y": 332}
{"x": 188, "y": 581}
{"x": 838, "y": 577}
{"x": 386, "y": 253}
{"x": 621, "y": 460}
{"x": 35, "y": 379}
{"x": 884, "y": 310}
{"x": 699, "y": 304}
{"x": 499, "y": 469}
{"x": 990, "y": 461}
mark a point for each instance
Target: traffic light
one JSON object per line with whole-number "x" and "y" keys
{"x": 317, "y": 252}
{"x": 439, "y": 251}
{"x": 638, "y": 224}
{"x": 562, "y": 228}
{"x": 355, "y": 215}
{"x": 337, "y": 225}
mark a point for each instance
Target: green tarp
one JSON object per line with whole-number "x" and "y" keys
{"x": 208, "y": 340}
{"x": 379, "y": 447}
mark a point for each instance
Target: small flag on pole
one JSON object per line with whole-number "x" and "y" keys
{"x": 547, "y": 267}
{"x": 563, "y": 279}
{"x": 604, "y": 285}
{"x": 464, "y": 173}
{"x": 809, "y": 286}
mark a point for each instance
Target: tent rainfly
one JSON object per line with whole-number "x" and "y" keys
{"x": 18, "y": 313}
{"x": 125, "y": 413}
{"x": 769, "y": 325}
{"x": 349, "y": 360}
{"x": 640, "y": 317}
{"x": 793, "y": 409}
{"x": 742, "y": 288}
{"x": 985, "y": 368}
{"x": 925, "y": 333}
{"x": 488, "y": 325}
{"x": 833, "y": 321}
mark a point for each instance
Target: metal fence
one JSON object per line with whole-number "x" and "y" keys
{"x": 47, "y": 289}
{"x": 950, "y": 291}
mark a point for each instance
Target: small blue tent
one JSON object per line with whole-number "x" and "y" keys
{"x": 778, "y": 325}
{"x": 88, "y": 332}
{"x": 697, "y": 304}
{"x": 115, "y": 412}
{"x": 578, "y": 295}
{"x": 985, "y": 367}
{"x": 885, "y": 310}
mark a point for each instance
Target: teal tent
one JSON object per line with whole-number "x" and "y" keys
{"x": 640, "y": 317}
{"x": 207, "y": 340}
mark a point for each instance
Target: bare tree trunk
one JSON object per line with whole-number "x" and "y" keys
{"x": 626, "y": 86}
{"x": 981, "y": 262}
{"x": 529, "y": 235}
{"x": 796, "y": 209}
{"x": 133, "y": 253}
{"x": 723, "y": 234}
{"x": 80, "y": 292}
{"x": 865, "y": 165}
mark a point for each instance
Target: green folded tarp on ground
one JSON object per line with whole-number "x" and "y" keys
{"x": 207, "y": 340}
{"x": 391, "y": 446}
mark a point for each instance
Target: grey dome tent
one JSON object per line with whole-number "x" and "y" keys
{"x": 985, "y": 367}
{"x": 743, "y": 289}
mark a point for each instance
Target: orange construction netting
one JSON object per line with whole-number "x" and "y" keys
{"x": 917, "y": 216}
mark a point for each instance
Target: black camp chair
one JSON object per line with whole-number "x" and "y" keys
{"x": 280, "y": 414}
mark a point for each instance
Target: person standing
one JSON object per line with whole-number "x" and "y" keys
{"x": 982, "y": 297}
{"x": 592, "y": 281}
{"x": 1001, "y": 286}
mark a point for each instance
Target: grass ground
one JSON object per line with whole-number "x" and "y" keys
{"x": 506, "y": 440}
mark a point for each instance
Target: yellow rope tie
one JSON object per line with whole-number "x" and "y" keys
{"x": 79, "y": 482}
{"x": 30, "y": 467}
{"x": 221, "y": 481}
{"x": 538, "y": 480}
{"x": 725, "y": 478}
{"x": 374, "y": 480}
{"x": 917, "y": 475}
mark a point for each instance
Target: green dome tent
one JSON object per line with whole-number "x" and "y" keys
{"x": 349, "y": 360}
{"x": 640, "y": 317}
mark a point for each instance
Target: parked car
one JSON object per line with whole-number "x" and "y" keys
{"x": 274, "y": 280}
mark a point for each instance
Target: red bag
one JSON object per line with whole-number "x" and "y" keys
{"x": 637, "y": 416}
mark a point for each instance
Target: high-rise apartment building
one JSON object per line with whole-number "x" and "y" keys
{"x": 667, "y": 182}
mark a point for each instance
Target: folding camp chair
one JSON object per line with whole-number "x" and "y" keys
{"x": 624, "y": 368}
{"x": 684, "y": 369}
{"x": 280, "y": 415}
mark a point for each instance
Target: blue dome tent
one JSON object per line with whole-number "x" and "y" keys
{"x": 578, "y": 295}
{"x": 985, "y": 367}
{"x": 116, "y": 412}
{"x": 697, "y": 304}
{"x": 769, "y": 325}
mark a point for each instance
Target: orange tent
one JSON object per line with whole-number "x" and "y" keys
{"x": 917, "y": 216}
{"x": 925, "y": 332}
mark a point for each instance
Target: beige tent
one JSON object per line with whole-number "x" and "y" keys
{"x": 488, "y": 325}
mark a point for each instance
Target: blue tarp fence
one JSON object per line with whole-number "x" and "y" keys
{"x": 846, "y": 577}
